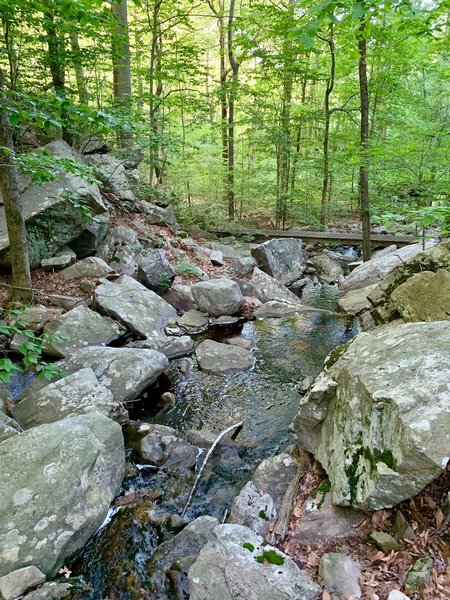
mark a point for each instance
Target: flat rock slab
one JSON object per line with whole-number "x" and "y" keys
{"x": 217, "y": 358}
{"x": 125, "y": 371}
{"x": 283, "y": 259}
{"x": 217, "y": 297}
{"x": 88, "y": 267}
{"x": 76, "y": 394}
{"x": 142, "y": 311}
{"x": 267, "y": 288}
{"x": 15, "y": 584}
{"x": 227, "y": 568}
{"x": 172, "y": 347}
{"x": 56, "y": 484}
{"x": 378, "y": 417}
{"x": 81, "y": 327}
{"x": 356, "y": 301}
{"x": 277, "y": 309}
{"x": 339, "y": 574}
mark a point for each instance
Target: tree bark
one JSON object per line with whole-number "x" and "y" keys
{"x": 231, "y": 113}
{"x": 79, "y": 71}
{"x": 364, "y": 141}
{"x": 122, "y": 66}
{"x": 326, "y": 136}
{"x": 9, "y": 185}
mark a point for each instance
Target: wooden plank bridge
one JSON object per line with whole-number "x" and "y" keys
{"x": 324, "y": 237}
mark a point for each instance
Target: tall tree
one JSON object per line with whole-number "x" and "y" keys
{"x": 121, "y": 64}
{"x": 364, "y": 139}
{"x": 9, "y": 185}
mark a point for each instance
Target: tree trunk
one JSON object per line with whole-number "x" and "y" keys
{"x": 326, "y": 137}
{"x": 122, "y": 66}
{"x": 57, "y": 63}
{"x": 231, "y": 113}
{"x": 285, "y": 126}
{"x": 364, "y": 140}
{"x": 153, "y": 22}
{"x": 79, "y": 71}
{"x": 9, "y": 186}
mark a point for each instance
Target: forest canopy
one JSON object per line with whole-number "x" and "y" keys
{"x": 247, "y": 110}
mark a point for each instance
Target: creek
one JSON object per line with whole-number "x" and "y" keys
{"x": 115, "y": 561}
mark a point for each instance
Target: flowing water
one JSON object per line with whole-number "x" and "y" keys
{"x": 286, "y": 350}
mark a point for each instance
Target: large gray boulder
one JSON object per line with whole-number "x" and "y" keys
{"x": 267, "y": 288}
{"x": 284, "y": 259}
{"x": 51, "y": 220}
{"x": 56, "y": 484}
{"x": 354, "y": 302}
{"x": 76, "y": 394}
{"x": 142, "y": 311}
{"x": 327, "y": 268}
{"x": 155, "y": 271}
{"x": 375, "y": 270}
{"x": 417, "y": 290}
{"x": 378, "y": 416}
{"x": 113, "y": 174}
{"x": 217, "y": 296}
{"x": 125, "y": 371}
{"x": 80, "y": 327}
{"x": 88, "y": 267}
{"x": 15, "y": 584}
{"x": 253, "y": 509}
{"x": 229, "y": 567}
{"x": 217, "y": 358}
{"x": 8, "y": 426}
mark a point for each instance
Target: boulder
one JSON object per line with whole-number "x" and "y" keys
{"x": 242, "y": 266}
{"x": 155, "y": 271}
{"x": 142, "y": 311}
{"x": 339, "y": 574}
{"x": 274, "y": 475}
{"x": 417, "y": 289}
{"x": 125, "y": 371}
{"x": 378, "y": 416}
{"x": 172, "y": 347}
{"x": 113, "y": 175}
{"x": 164, "y": 565}
{"x": 92, "y": 236}
{"x": 193, "y": 321}
{"x": 156, "y": 215}
{"x": 216, "y": 258}
{"x": 322, "y": 522}
{"x": 354, "y": 302}
{"x": 217, "y": 296}
{"x": 76, "y": 394}
{"x": 80, "y": 327}
{"x": 253, "y": 509}
{"x": 37, "y": 316}
{"x": 53, "y": 590}
{"x": 267, "y": 288}
{"x": 283, "y": 259}
{"x": 228, "y": 252}
{"x": 217, "y": 358}
{"x": 328, "y": 269}
{"x": 375, "y": 270}
{"x": 162, "y": 447}
{"x": 236, "y": 563}
{"x": 88, "y": 267}
{"x": 56, "y": 483}
{"x": 423, "y": 297}
{"x": 18, "y": 582}
{"x": 8, "y": 427}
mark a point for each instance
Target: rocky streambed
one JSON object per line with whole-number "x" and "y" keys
{"x": 264, "y": 399}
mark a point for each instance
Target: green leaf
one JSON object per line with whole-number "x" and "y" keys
{"x": 358, "y": 11}
{"x": 306, "y": 40}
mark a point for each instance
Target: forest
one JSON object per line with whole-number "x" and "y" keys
{"x": 224, "y": 299}
{"x": 266, "y": 112}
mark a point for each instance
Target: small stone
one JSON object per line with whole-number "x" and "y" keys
{"x": 339, "y": 574}
{"x": 396, "y": 595}
{"x": 384, "y": 541}
{"x": 303, "y": 386}
{"x": 216, "y": 258}
{"x": 86, "y": 286}
{"x": 402, "y": 530}
{"x": 419, "y": 575}
{"x": 167, "y": 398}
{"x": 56, "y": 262}
{"x": 18, "y": 582}
{"x": 239, "y": 341}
